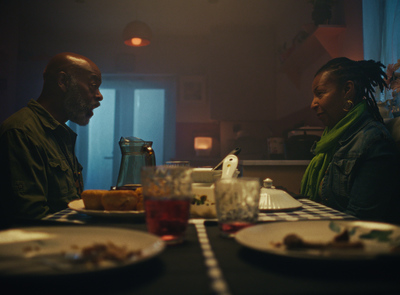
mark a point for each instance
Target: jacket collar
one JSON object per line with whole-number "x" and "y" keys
{"x": 364, "y": 119}
{"x": 47, "y": 119}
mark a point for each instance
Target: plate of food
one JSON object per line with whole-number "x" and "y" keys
{"x": 110, "y": 203}
{"x": 339, "y": 240}
{"x": 62, "y": 250}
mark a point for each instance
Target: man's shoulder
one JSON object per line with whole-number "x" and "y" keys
{"x": 18, "y": 119}
{"x": 24, "y": 120}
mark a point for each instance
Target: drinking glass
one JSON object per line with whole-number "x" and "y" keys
{"x": 237, "y": 201}
{"x": 167, "y": 193}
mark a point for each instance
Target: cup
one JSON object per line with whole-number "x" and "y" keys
{"x": 167, "y": 193}
{"x": 236, "y": 201}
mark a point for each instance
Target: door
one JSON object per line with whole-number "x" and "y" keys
{"x": 142, "y": 107}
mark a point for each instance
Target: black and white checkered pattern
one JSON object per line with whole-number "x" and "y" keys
{"x": 68, "y": 215}
{"x": 310, "y": 211}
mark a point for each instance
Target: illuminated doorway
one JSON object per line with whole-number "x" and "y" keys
{"x": 143, "y": 108}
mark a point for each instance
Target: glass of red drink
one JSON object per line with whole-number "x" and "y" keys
{"x": 236, "y": 201}
{"x": 167, "y": 193}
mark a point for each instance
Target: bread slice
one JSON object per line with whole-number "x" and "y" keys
{"x": 120, "y": 200}
{"x": 92, "y": 199}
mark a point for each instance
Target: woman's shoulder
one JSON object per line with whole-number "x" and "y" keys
{"x": 374, "y": 129}
{"x": 368, "y": 135}
{"x": 368, "y": 128}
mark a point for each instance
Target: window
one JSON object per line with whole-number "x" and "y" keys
{"x": 381, "y": 23}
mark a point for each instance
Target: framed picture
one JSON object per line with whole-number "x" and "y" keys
{"x": 192, "y": 89}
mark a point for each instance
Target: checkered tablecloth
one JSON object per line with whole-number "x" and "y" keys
{"x": 69, "y": 215}
{"x": 310, "y": 210}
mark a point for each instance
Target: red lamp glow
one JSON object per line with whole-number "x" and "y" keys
{"x": 137, "y": 34}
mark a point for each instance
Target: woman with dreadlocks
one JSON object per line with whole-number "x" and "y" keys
{"x": 356, "y": 167}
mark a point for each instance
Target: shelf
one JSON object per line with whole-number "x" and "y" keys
{"x": 324, "y": 39}
{"x": 274, "y": 162}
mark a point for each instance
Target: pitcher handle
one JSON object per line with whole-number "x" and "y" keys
{"x": 150, "y": 157}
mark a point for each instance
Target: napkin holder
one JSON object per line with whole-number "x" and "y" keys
{"x": 200, "y": 209}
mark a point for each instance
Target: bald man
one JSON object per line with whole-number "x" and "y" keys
{"x": 39, "y": 172}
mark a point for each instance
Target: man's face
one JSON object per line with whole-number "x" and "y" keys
{"x": 81, "y": 98}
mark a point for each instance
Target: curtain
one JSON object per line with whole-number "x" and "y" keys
{"x": 381, "y": 30}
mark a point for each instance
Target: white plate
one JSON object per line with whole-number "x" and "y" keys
{"x": 264, "y": 237}
{"x": 79, "y": 206}
{"x": 277, "y": 200}
{"x": 21, "y": 249}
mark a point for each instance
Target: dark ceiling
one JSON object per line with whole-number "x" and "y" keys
{"x": 101, "y": 18}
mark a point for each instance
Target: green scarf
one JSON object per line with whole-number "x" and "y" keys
{"x": 324, "y": 150}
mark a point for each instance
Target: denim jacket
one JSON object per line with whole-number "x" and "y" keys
{"x": 363, "y": 177}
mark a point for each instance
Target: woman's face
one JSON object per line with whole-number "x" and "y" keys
{"x": 328, "y": 100}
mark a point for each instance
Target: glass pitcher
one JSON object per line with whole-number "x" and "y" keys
{"x": 136, "y": 153}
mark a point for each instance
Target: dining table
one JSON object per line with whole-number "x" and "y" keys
{"x": 207, "y": 263}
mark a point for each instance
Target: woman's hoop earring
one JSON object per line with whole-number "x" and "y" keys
{"x": 348, "y": 105}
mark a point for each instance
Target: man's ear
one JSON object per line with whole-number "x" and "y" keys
{"x": 63, "y": 81}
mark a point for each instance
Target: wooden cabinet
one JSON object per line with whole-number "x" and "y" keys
{"x": 286, "y": 173}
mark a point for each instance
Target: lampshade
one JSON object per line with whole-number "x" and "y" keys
{"x": 202, "y": 146}
{"x": 137, "y": 34}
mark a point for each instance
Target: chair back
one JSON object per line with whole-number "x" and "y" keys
{"x": 393, "y": 125}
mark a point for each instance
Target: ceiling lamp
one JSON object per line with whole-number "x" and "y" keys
{"x": 137, "y": 34}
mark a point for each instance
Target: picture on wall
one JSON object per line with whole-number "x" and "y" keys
{"x": 192, "y": 89}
